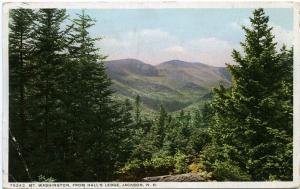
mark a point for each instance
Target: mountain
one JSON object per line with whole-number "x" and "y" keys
{"x": 176, "y": 84}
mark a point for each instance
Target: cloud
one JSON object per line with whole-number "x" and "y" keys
{"x": 152, "y": 35}
{"x": 175, "y": 49}
{"x": 211, "y": 44}
{"x": 214, "y": 51}
{"x": 177, "y": 52}
{"x": 237, "y": 25}
{"x": 155, "y": 46}
{"x": 143, "y": 44}
{"x": 282, "y": 36}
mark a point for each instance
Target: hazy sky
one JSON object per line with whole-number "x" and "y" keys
{"x": 197, "y": 35}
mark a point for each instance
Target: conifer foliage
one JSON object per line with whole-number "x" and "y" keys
{"x": 252, "y": 124}
{"x": 60, "y": 95}
{"x": 20, "y": 72}
{"x": 47, "y": 122}
{"x": 91, "y": 102}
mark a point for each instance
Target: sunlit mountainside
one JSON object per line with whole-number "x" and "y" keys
{"x": 175, "y": 84}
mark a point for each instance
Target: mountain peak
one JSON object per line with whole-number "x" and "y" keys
{"x": 125, "y": 61}
{"x": 180, "y": 63}
{"x": 131, "y": 66}
{"x": 175, "y": 61}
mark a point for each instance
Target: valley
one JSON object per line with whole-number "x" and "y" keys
{"x": 176, "y": 84}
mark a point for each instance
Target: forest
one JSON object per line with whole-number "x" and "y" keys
{"x": 65, "y": 125}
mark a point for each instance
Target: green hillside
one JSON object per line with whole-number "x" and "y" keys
{"x": 175, "y": 84}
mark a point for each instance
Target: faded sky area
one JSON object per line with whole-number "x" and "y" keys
{"x": 196, "y": 35}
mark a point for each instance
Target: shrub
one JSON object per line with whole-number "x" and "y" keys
{"x": 181, "y": 162}
{"x": 131, "y": 171}
{"x": 198, "y": 168}
{"x": 136, "y": 170}
{"x": 160, "y": 165}
{"x": 42, "y": 178}
{"x": 227, "y": 171}
{"x": 194, "y": 168}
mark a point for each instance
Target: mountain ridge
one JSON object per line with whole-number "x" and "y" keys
{"x": 168, "y": 61}
{"x": 175, "y": 83}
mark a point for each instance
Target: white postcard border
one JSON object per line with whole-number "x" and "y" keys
{"x": 153, "y": 4}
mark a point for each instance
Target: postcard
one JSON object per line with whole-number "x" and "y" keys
{"x": 151, "y": 94}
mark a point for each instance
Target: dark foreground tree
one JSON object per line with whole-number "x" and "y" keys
{"x": 20, "y": 49}
{"x": 100, "y": 124}
{"x": 46, "y": 110}
{"x": 252, "y": 124}
{"x": 64, "y": 123}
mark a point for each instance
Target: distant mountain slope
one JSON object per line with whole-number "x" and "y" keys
{"x": 176, "y": 84}
{"x": 131, "y": 66}
{"x": 197, "y": 73}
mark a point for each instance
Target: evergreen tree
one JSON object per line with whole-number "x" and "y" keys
{"x": 206, "y": 113}
{"x": 198, "y": 119}
{"x": 48, "y": 119}
{"x": 90, "y": 99}
{"x": 161, "y": 125}
{"x": 137, "y": 109}
{"x": 249, "y": 133}
{"x": 100, "y": 120}
{"x": 202, "y": 116}
{"x": 20, "y": 49}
